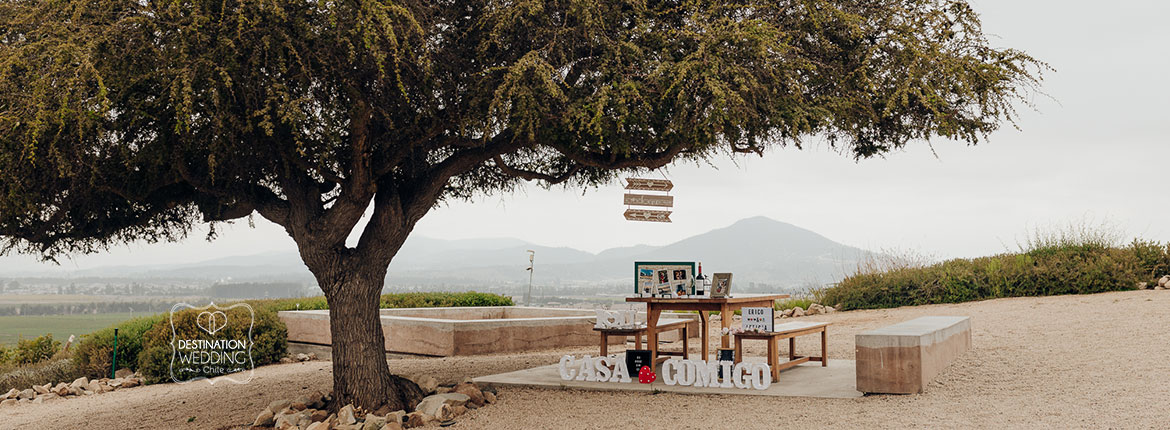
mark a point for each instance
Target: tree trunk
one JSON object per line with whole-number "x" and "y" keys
{"x": 361, "y": 375}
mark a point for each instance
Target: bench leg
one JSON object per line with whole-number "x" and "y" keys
{"x": 825, "y": 347}
{"x": 604, "y": 344}
{"x": 686, "y": 347}
{"x": 738, "y": 350}
{"x": 791, "y": 348}
{"x": 652, "y": 314}
{"x": 637, "y": 341}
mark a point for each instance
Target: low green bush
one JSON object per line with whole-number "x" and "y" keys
{"x": 1049, "y": 269}
{"x": 5, "y": 355}
{"x": 268, "y": 333}
{"x": 144, "y": 343}
{"x": 36, "y": 350}
{"x": 94, "y": 353}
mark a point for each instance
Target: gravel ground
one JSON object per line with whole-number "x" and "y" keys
{"x": 1090, "y": 361}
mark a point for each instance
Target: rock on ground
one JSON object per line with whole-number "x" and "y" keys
{"x": 345, "y": 415}
{"x": 427, "y": 383}
{"x": 264, "y": 419}
{"x": 473, "y": 392}
{"x": 430, "y": 404}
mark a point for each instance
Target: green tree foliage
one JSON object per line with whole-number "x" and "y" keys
{"x": 127, "y": 120}
{"x": 134, "y": 120}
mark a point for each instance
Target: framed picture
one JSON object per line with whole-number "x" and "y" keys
{"x": 664, "y": 274}
{"x": 721, "y": 285}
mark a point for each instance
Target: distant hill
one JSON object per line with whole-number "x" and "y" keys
{"x": 757, "y": 250}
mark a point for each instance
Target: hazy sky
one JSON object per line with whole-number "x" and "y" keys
{"x": 1096, "y": 150}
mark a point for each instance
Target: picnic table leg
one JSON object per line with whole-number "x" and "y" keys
{"x": 604, "y": 344}
{"x": 637, "y": 340}
{"x": 774, "y": 357}
{"x": 686, "y": 348}
{"x": 652, "y": 313}
{"x": 792, "y": 348}
{"x": 738, "y": 350}
{"x": 825, "y": 347}
{"x": 704, "y": 328}
{"x": 725, "y": 316}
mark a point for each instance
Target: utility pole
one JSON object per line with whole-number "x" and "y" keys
{"x": 531, "y": 259}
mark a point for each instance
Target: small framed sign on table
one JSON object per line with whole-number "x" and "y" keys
{"x": 721, "y": 285}
{"x": 758, "y": 319}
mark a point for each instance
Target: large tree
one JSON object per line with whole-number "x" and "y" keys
{"x": 135, "y": 120}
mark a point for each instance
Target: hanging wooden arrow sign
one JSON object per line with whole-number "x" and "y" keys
{"x": 649, "y": 200}
{"x": 649, "y": 184}
{"x": 647, "y": 215}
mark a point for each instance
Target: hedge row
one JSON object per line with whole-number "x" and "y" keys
{"x": 395, "y": 300}
{"x": 1079, "y": 268}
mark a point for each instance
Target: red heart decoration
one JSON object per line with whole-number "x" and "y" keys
{"x": 645, "y": 376}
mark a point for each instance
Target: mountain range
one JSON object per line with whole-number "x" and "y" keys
{"x": 757, "y": 250}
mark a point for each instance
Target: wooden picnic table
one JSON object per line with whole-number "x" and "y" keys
{"x": 724, "y": 305}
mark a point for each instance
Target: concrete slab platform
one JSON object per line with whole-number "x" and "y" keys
{"x": 453, "y": 331}
{"x": 837, "y": 381}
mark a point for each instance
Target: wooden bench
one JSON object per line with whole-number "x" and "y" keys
{"x": 903, "y": 358}
{"x": 638, "y": 333}
{"x": 786, "y": 331}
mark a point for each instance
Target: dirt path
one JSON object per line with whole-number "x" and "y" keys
{"x": 1095, "y": 361}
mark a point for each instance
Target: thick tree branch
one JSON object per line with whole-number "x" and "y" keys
{"x": 613, "y": 160}
{"x": 336, "y": 222}
{"x": 529, "y": 175}
{"x": 402, "y": 202}
{"x": 253, "y": 197}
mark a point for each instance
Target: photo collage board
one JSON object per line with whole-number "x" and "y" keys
{"x": 664, "y": 279}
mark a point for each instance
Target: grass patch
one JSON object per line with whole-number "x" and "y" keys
{"x": 13, "y": 328}
{"x": 58, "y": 369}
{"x": 803, "y": 303}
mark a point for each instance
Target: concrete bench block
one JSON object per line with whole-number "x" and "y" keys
{"x": 904, "y": 357}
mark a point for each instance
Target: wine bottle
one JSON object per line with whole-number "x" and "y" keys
{"x": 700, "y": 282}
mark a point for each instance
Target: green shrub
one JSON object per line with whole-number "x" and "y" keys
{"x": 30, "y": 351}
{"x": 4, "y": 355}
{"x": 95, "y": 351}
{"x": 51, "y": 371}
{"x": 269, "y": 341}
{"x": 1044, "y": 268}
{"x": 1152, "y": 257}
